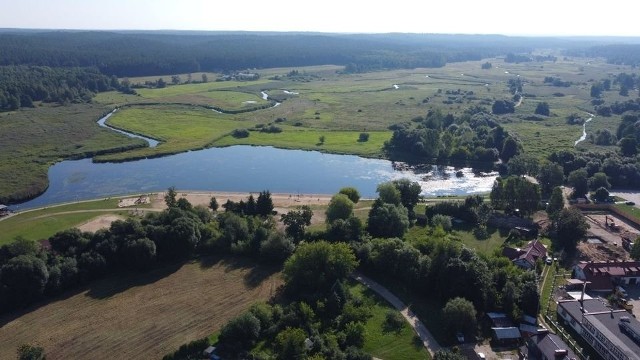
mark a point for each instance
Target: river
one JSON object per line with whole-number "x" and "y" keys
{"x": 245, "y": 169}
{"x": 584, "y": 130}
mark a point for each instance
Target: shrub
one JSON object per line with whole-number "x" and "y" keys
{"x": 240, "y": 133}
{"x": 393, "y": 322}
{"x": 364, "y": 137}
{"x": 441, "y": 220}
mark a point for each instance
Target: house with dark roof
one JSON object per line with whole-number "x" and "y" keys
{"x": 527, "y": 256}
{"x": 612, "y": 333}
{"x": 602, "y": 276}
{"x": 546, "y": 346}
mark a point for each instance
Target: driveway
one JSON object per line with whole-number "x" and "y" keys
{"x": 628, "y": 195}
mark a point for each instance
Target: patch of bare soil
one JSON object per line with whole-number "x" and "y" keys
{"x": 100, "y": 222}
{"x": 600, "y": 252}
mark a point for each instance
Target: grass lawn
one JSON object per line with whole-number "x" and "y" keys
{"x": 629, "y": 210}
{"x": 145, "y": 315}
{"x": 464, "y": 234}
{"x": 388, "y": 345}
{"x": 41, "y": 224}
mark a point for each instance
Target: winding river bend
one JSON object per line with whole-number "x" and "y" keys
{"x": 102, "y": 122}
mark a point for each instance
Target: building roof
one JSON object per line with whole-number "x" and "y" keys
{"x": 506, "y": 333}
{"x": 552, "y": 347}
{"x": 500, "y": 320}
{"x": 600, "y": 273}
{"x": 529, "y": 253}
{"x": 608, "y": 322}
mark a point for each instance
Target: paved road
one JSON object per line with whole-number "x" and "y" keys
{"x": 427, "y": 339}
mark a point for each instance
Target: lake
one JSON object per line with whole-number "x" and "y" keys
{"x": 246, "y": 169}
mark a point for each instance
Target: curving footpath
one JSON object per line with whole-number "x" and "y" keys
{"x": 428, "y": 340}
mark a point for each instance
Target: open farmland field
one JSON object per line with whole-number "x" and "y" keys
{"x": 140, "y": 316}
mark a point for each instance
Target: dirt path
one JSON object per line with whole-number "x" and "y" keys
{"x": 428, "y": 340}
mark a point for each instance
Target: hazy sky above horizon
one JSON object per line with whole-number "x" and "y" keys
{"x": 542, "y": 17}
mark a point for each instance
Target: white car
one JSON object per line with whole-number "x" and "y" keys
{"x": 481, "y": 356}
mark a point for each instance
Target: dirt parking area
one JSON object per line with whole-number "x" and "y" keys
{"x": 628, "y": 196}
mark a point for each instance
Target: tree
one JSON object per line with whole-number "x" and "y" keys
{"x": 139, "y": 254}
{"x": 447, "y": 355}
{"x": 24, "y": 278}
{"x": 315, "y": 267}
{"x": 387, "y": 220}
{"x": 170, "y": 197}
{"x": 601, "y": 195}
{"x": 443, "y": 221}
{"x": 570, "y": 227}
{"x": 290, "y": 344}
{"x": 30, "y": 352}
{"x": 579, "y": 181}
{"x": 321, "y": 139}
{"x": 205, "y": 78}
{"x": 296, "y": 221}
{"x": 628, "y": 146}
{"x": 409, "y": 194}
{"x": 161, "y": 83}
{"x": 556, "y": 202}
{"x": 175, "y": 79}
{"x": 543, "y": 109}
{"x": 264, "y": 205}
{"x": 213, "y": 204}
{"x": 550, "y": 176}
{"x": 340, "y": 207}
{"x": 599, "y": 180}
{"x": 389, "y": 193}
{"x": 276, "y": 248}
{"x": 459, "y": 314}
{"x": 502, "y": 107}
{"x": 364, "y": 137}
{"x": 523, "y": 164}
{"x": 510, "y": 149}
{"x": 486, "y": 66}
{"x": 239, "y": 334}
{"x": 352, "y": 193}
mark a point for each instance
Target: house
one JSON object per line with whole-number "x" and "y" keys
{"x": 602, "y": 276}
{"x": 612, "y": 333}
{"x": 527, "y": 256}
{"x": 546, "y": 346}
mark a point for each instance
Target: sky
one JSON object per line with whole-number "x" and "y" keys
{"x": 533, "y": 17}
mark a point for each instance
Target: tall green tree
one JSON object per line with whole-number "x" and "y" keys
{"x": 351, "y": 192}
{"x": 570, "y": 228}
{"x": 579, "y": 180}
{"x": 264, "y": 205}
{"x": 549, "y": 176}
{"x": 296, "y": 221}
{"x": 387, "y": 220}
{"x": 340, "y": 207}
{"x": 170, "y": 198}
{"x": 556, "y": 203}
{"x": 459, "y": 314}
{"x": 314, "y": 268}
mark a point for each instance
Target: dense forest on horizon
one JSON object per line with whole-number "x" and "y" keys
{"x": 152, "y": 53}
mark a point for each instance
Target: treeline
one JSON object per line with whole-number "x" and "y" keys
{"x": 21, "y": 85}
{"x": 621, "y": 54}
{"x": 471, "y": 137}
{"x": 152, "y": 53}
{"x": 29, "y": 272}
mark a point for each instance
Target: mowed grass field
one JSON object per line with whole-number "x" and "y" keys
{"x": 42, "y": 223}
{"x": 140, "y": 316}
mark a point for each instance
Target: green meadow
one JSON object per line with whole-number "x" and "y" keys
{"x": 321, "y": 102}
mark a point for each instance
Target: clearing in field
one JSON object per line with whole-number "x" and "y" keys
{"x": 140, "y": 316}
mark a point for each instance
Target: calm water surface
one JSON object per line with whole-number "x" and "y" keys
{"x": 244, "y": 169}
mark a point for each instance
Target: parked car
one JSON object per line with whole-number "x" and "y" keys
{"x": 630, "y": 203}
{"x": 481, "y": 356}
